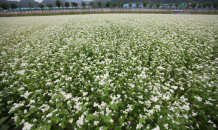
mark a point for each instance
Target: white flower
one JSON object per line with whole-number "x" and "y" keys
{"x": 166, "y": 126}
{"x": 198, "y": 98}
{"x": 27, "y": 126}
{"x": 26, "y": 94}
{"x": 101, "y": 82}
{"x": 25, "y": 111}
{"x": 21, "y": 72}
{"x": 101, "y": 128}
{"x": 49, "y": 115}
{"x": 111, "y": 121}
{"x": 34, "y": 120}
{"x": 174, "y": 87}
{"x": 157, "y": 128}
{"x": 85, "y": 93}
{"x": 102, "y": 112}
{"x": 32, "y": 101}
{"x": 154, "y": 99}
{"x": 16, "y": 105}
{"x": 71, "y": 121}
{"x": 139, "y": 126}
{"x": 96, "y": 122}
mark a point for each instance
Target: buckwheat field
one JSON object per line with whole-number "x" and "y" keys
{"x": 109, "y": 72}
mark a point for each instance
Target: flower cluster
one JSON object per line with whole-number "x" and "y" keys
{"x": 110, "y": 71}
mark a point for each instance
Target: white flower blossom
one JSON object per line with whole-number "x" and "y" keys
{"x": 27, "y": 126}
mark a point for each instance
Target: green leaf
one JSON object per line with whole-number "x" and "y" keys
{"x": 131, "y": 118}
{"x": 91, "y": 117}
{"x": 141, "y": 120}
{"x": 127, "y": 127}
{"x": 106, "y": 118}
{"x": 3, "y": 119}
{"x": 4, "y": 127}
{"x": 105, "y": 128}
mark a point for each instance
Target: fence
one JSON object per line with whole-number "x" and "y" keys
{"x": 143, "y": 10}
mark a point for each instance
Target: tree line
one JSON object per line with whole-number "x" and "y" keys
{"x": 110, "y": 4}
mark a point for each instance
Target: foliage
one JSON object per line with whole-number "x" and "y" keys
{"x": 91, "y": 4}
{"x": 110, "y": 72}
{"x": 215, "y": 6}
{"x": 13, "y": 6}
{"x": 74, "y": 4}
{"x": 41, "y": 5}
{"x": 151, "y": 4}
{"x": 62, "y": 5}
{"x": 209, "y": 5}
{"x": 121, "y": 4}
{"x": 137, "y": 4}
{"x": 130, "y": 4}
{"x": 30, "y": 5}
{"x": 115, "y": 4}
{"x": 4, "y": 5}
{"x": 107, "y": 4}
{"x": 193, "y": 5}
{"x": 67, "y": 4}
{"x": 100, "y": 4}
{"x": 58, "y": 4}
{"x": 200, "y": 6}
{"x": 49, "y": 5}
{"x": 145, "y": 3}
{"x": 177, "y": 5}
{"x": 162, "y": 4}
{"x": 83, "y": 4}
{"x": 170, "y": 4}
{"x": 158, "y": 4}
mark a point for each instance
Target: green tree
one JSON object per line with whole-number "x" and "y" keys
{"x": 115, "y": 4}
{"x": 19, "y": 7}
{"x": 137, "y": 4}
{"x": 215, "y": 6}
{"x": 121, "y": 4}
{"x": 74, "y": 4}
{"x": 130, "y": 4}
{"x": 193, "y": 5}
{"x": 199, "y": 6}
{"x": 83, "y": 4}
{"x": 177, "y": 5}
{"x": 49, "y": 5}
{"x": 205, "y": 4}
{"x": 151, "y": 5}
{"x": 62, "y": 5}
{"x": 209, "y": 5}
{"x": 91, "y": 4}
{"x": 99, "y": 3}
{"x": 41, "y": 5}
{"x": 162, "y": 5}
{"x": 67, "y": 4}
{"x": 13, "y": 6}
{"x": 4, "y": 6}
{"x": 111, "y": 4}
{"x": 170, "y": 4}
{"x": 107, "y": 4}
{"x": 58, "y": 4}
{"x": 30, "y": 5}
{"x": 145, "y": 4}
{"x": 157, "y": 4}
